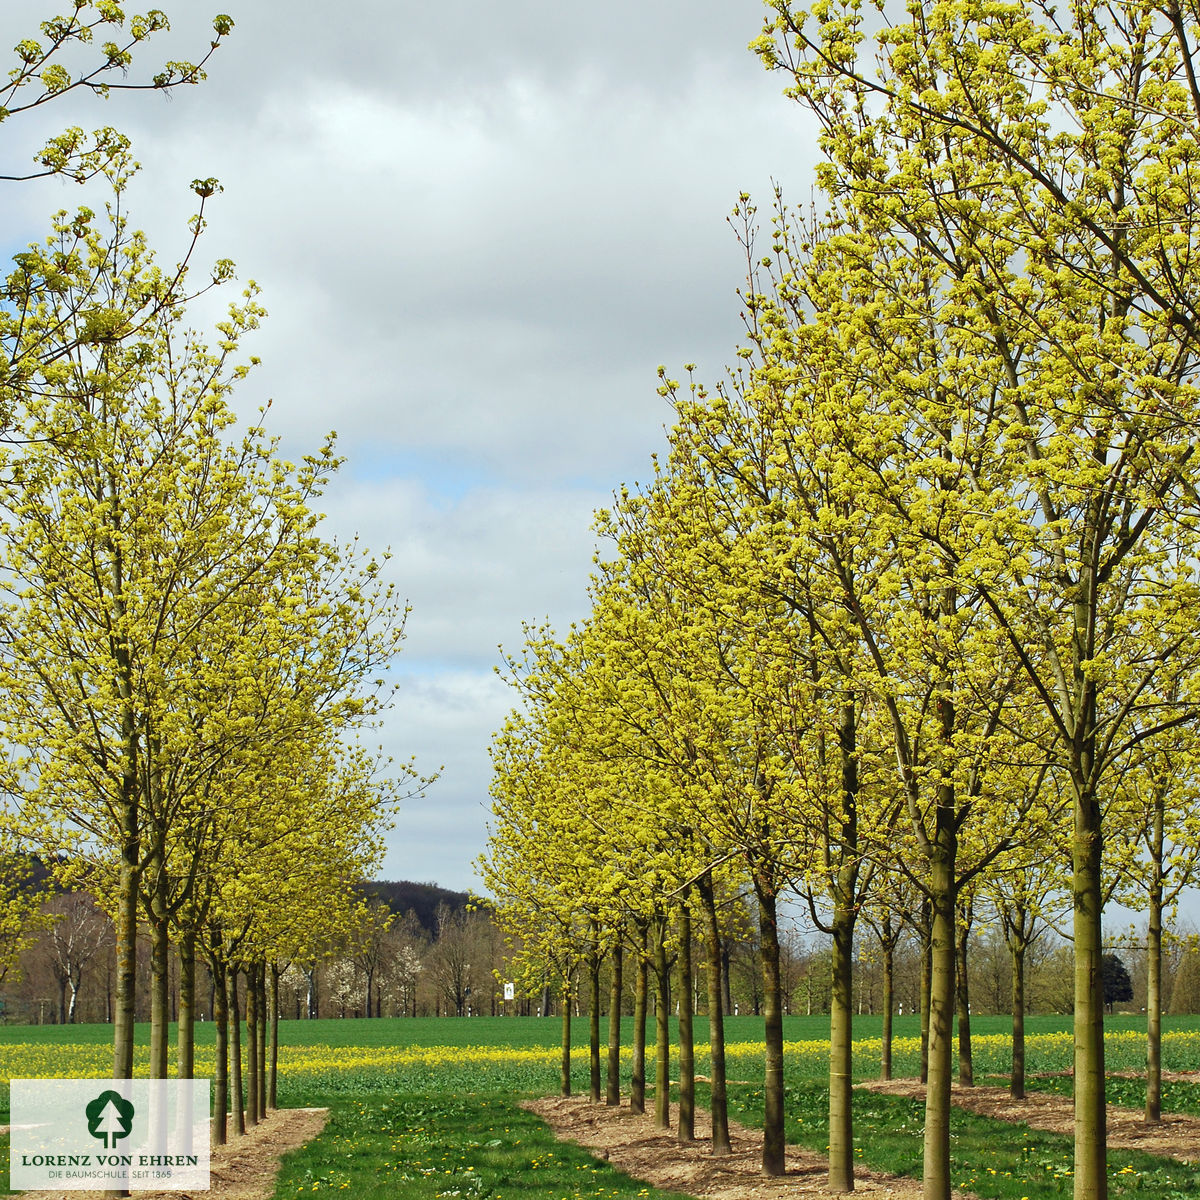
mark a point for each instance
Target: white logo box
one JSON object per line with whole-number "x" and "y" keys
{"x": 139, "y": 1134}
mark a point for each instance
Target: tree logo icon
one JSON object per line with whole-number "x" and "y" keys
{"x": 109, "y": 1117}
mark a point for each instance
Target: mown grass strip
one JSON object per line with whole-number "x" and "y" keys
{"x": 434, "y": 1146}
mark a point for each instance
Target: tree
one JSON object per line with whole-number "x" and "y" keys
{"x": 1117, "y": 984}
{"x": 76, "y": 936}
{"x": 1185, "y": 991}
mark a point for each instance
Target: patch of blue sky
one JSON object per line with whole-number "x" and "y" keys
{"x": 447, "y": 478}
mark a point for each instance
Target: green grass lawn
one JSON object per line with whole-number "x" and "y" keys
{"x": 429, "y": 1108}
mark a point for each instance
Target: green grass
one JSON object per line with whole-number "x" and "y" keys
{"x": 436, "y": 1125}
{"x": 469, "y": 1145}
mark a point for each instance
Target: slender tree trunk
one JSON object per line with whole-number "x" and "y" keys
{"x": 221, "y": 1064}
{"x": 966, "y": 1064}
{"x": 773, "y": 1141}
{"x": 186, "y": 1036}
{"x": 1154, "y": 971}
{"x": 941, "y": 1005}
{"x": 687, "y": 1047}
{"x": 841, "y": 990}
{"x": 273, "y": 1019}
{"x": 130, "y": 829}
{"x": 160, "y": 998}
{"x": 235, "y": 1053}
{"x": 1091, "y": 1128}
{"x": 662, "y": 1028}
{"x": 1016, "y": 1086}
{"x": 889, "y": 1001}
{"x": 252, "y": 1044}
{"x": 564, "y": 1073}
{"x": 612, "y": 1094}
{"x": 594, "y": 1019}
{"x": 126, "y": 942}
{"x": 716, "y": 1019}
{"x": 637, "y": 1083}
{"x": 841, "y": 1042}
{"x": 261, "y": 1015}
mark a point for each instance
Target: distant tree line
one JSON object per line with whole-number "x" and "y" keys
{"x": 419, "y": 950}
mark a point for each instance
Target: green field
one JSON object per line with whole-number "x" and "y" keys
{"x": 429, "y": 1108}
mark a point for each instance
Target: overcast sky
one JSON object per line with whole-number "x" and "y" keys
{"x": 478, "y": 231}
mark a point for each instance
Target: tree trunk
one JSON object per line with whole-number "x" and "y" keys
{"x": 662, "y": 1028}
{"x": 261, "y": 1015}
{"x": 125, "y": 922}
{"x": 941, "y": 1008}
{"x": 235, "y": 1053}
{"x": 186, "y": 1036}
{"x": 637, "y": 1083}
{"x": 1091, "y": 1129}
{"x": 841, "y": 1044}
{"x": 687, "y": 1049}
{"x": 612, "y": 1094}
{"x": 564, "y": 1071}
{"x": 966, "y": 1064}
{"x": 221, "y": 1063}
{"x": 716, "y": 1019}
{"x": 160, "y": 998}
{"x": 1154, "y": 971}
{"x": 889, "y": 1002}
{"x": 252, "y": 1044}
{"x": 126, "y": 942}
{"x": 773, "y": 1140}
{"x": 594, "y": 1020}
{"x": 273, "y": 1021}
{"x": 1016, "y": 1086}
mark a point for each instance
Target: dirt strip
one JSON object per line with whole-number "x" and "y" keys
{"x": 633, "y": 1144}
{"x": 245, "y": 1169}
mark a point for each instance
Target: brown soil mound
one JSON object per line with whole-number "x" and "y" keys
{"x": 245, "y": 1169}
{"x": 633, "y": 1144}
{"x": 1177, "y": 1136}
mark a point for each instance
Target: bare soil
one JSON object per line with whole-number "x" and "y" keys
{"x": 245, "y": 1169}
{"x": 1176, "y": 1136}
{"x": 633, "y": 1144}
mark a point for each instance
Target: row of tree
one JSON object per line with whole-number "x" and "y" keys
{"x": 188, "y": 661}
{"x": 905, "y": 620}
